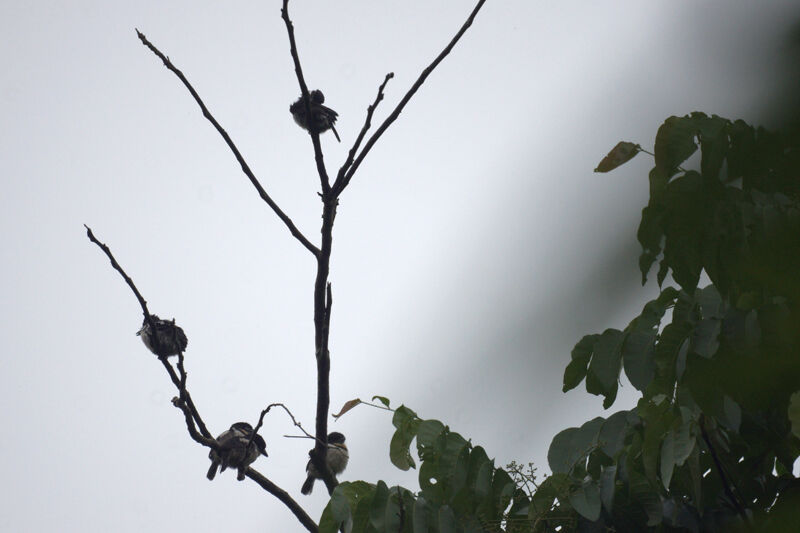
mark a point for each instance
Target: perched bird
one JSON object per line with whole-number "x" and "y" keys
{"x": 167, "y": 340}
{"x": 336, "y": 458}
{"x": 322, "y": 118}
{"x": 233, "y": 451}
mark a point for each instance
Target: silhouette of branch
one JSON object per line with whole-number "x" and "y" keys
{"x": 283, "y": 496}
{"x": 185, "y": 404}
{"x": 726, "y": 482}
{"x": 245, "y": 167}
{"x": 345, "y": 180}
{"x": 322, "y": 315}
{"x": 179, "y": 383}
{"x": 261, "y": 422}
{"x": 337, "y": 185}
{"x": 321, "y": 305}
{"x": 298, "y": 69}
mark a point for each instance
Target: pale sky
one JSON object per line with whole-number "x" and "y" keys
{"x": 472, "y": 250}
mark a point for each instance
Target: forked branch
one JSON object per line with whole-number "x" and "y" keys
{"x": 343, "y": 180}
{"x": 192, "y": 416}
{"x": 245, "y": 167}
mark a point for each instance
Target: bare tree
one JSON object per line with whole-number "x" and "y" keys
{"x": 323, "y": 299}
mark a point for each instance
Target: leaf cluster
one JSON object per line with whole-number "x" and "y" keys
{"x": 461, "y": 490}
{"x": 710, "y": 444}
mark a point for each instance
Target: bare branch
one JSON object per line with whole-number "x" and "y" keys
{"x": 191, "y": 415}
{"x": 397, "y": 110}
{"x": 322, "y": 314}
{"x": 261, "y": 422}
{"x": 245, "y": 167}
{"x": 283, "y": 496}
{"x": 119, "y": 269}
{"x": 338, "y": 184}
{"x": 298, "y": 69}
{"x": 148, "y": 318}
{"x": 726, "y": 480}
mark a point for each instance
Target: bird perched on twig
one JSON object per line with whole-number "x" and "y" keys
{"x": 336, "y": 458}
{"x": 167, "y": 340}
{"x": 234, "y": 452}
{"x": 322, "y": 118}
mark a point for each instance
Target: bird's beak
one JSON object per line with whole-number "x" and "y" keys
{"x": 140, "y": 331}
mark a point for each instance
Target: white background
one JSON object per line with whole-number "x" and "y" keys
{"x": 472, "y": 250}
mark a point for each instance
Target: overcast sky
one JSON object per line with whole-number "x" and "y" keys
{"x": 472, "y": 250}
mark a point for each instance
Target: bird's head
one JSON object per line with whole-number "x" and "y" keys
{"x": 335, "y": 438}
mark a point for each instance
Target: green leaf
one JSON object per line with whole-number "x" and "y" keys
{"x": 573, "y": 444}
{"x": 404, "y": 417}
{"x": 642, "y": 493}
{"x": 399, "y": 452}
{"x": 586, "y": 500}
{"x": 669, "y": 346}
{"x": 421, "y": 515}
{"x": 675, "y": 143}
{"x": 794, "y": 413}
{"x": 654, "y": 310}
{"x": 658, "y": 183}
{"x": 377, "y": 511}
{"x": 667, "y": 459}
{"x": 638, "y": 357}
{"x": 428, "y": 432}
{"x": 555, "y": 486}
{"x": 663, "y": 270}
{"x": 361, "y": 515}
{"x": 657, "y": 420}
{"x": 619, "y": 155}
{"x": 732, "y": 413}
{"x": 713, "y": 145}
{"x": 447, "y": 520}
{"x": 705, "y": 338}
{"x": 687, "y": 211}
{"x": 608, "y": 486}
{"x": 392, "y": 510}
{"x": 481, "y": 469}
{"x": 612, "y": 433}
{"x": 576, "y": 370}
{"x": 406, "y": 422}
{"x": 646, "y": 260}
{"x": 383, "y": 399}
{"x": 336, "y": 513}
{"x": 650, "y": 232}
{"x": 603, "y": 372}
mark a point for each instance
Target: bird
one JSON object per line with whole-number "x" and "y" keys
{"x": 168, "y": 339}
{"x": 322, "y": 118}
{"x": 234, "y": 452}
{"x": 336, "y": 458}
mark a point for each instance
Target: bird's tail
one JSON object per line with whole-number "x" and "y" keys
{"x": 308, "y": 486}
{"x": 213, "y": 470}
{"x": 333, "y": 129}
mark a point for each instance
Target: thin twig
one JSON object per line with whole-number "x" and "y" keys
{"x": 367, "y": 123}
{"x": 148, "y": 317}
{"x": 119, "y": 269}
{"x": 245, "y": 167}
{"x": 261, "y": 422}
{"x": 721, "y": 471}
{"x": 186, "y": 405}
{"x": 321, "y": 311}
{"x": 298, "y": 69}
{"x": 397, "y": 110}
{"x": 283, "y": 496}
